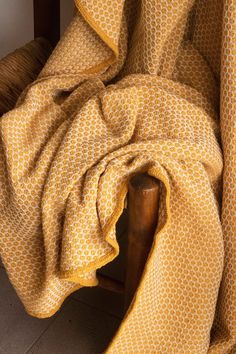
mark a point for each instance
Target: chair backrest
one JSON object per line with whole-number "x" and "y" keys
{"x": 47, "y": 20}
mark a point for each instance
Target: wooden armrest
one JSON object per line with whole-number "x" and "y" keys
{"x": 143, "y": 207}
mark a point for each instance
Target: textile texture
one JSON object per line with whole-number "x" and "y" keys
{"x": 132, "y": 86}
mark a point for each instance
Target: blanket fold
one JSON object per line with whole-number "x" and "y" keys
{"x": 133, "y": 86}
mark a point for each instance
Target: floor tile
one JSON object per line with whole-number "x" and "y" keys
{"x": 110, "y": 302}
{"x": 78, "y": 329}
{"x": 18, "y": 331}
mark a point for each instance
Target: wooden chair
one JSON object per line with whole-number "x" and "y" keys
{"x": 143, "y": 193}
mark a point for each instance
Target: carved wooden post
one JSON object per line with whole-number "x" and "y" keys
{"x": 143, "y": 205}
{"x": 47, "y": 20}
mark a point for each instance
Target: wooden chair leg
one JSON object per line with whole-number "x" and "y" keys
{"x": 47, "y": 20}
{"x": 143, "y": 205}
{"x": 110, "y": 284}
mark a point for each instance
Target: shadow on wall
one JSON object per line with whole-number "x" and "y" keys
{"x": 16, "y": 22}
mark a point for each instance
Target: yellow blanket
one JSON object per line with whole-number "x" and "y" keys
{"x": 132, "y": 86}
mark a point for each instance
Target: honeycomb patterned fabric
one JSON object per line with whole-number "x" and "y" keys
{"x": 132, "y": 86}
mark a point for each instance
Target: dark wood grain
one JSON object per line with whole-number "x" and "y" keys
{"x": 108, "y": 283}
{"x": 47, "y": 20}
{"x": 143, "y": 206}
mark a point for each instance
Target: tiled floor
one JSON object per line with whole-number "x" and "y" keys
{"x": 85, "y": 324}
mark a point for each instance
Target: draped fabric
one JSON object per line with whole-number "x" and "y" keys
{"x": 133, "y": 86}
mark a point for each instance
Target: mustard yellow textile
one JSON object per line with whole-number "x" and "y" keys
{"x": 132, "y": 86}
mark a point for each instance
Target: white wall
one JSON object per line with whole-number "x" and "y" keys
{"x": 16, "y": 22}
